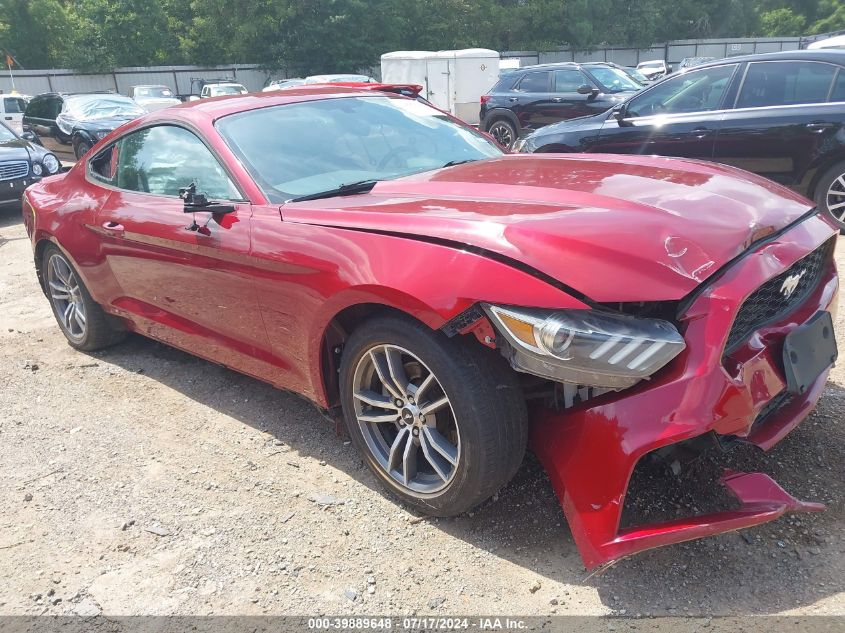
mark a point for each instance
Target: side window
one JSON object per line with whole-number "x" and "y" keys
{"x": 694, "y": 91}
{"x": 785, "y": 83}
{"x": 838, "y": 93}
{"x": 102, "y": 167}
{"x": 13, "y": 105}
{"x": 534, "y": 82}
{"x": 569, "y": 80}
{"x": 53, "y": 108}
{"x": 160, "y": 160}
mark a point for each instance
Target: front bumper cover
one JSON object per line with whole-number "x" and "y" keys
{"x": 591, "y": 451}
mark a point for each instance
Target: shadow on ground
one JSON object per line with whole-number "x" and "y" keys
{"x": 732, "y": 573}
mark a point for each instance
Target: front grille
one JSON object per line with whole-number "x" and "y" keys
{"x": 779, "y": 296}
{"x": 772, "y": 407}
{"x": 12, "y": 169}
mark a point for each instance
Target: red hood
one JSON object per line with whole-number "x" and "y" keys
{"x": 615, "y": 228}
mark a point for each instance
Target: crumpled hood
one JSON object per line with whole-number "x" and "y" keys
{"x": 615, "y": 228}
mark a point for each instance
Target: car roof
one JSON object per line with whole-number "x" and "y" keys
{"x": 559, "y": 65}
{"x": 217, "y": 107}
{"x": 820, "y": 55}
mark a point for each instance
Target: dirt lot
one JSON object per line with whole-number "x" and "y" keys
{"x": 141, "y": 480}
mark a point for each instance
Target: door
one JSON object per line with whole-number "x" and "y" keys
{"x": 13, "y": 109}
{"x": 531, "y": 99}
{"x": 565, "y": 101}
{"x": 677, "y": 117}
{"x": 40, "y": 116}
{"x": 782, "y": 121}
{"x": 437, "y": 83}
{"x": 188, "y": 286}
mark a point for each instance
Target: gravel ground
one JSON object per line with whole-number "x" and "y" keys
{"x": 141, "y": 480}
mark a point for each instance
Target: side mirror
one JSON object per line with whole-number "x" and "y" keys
{"x": 198, "y": 202}
{"x": 618, "y": 112}
{"x": 587, "y": 89}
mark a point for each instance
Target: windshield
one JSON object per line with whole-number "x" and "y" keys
{"x": 153, "y": 92}
{"x": 6, "y": 134}
{"x": 102, "y": 107}
{"x": 613, "y": 78}
{"x": 233, "y": 89}
{"x": 305, "y": 148}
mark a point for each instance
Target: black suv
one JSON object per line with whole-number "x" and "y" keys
{"x": 77, "y": 120}
{"x": 534, "y": 96}
{"x": 780, "y": 115}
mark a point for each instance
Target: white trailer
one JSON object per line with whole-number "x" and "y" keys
{"x": 452, "y": 80}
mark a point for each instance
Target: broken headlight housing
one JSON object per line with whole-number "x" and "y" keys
{"x": 585, "y": 347}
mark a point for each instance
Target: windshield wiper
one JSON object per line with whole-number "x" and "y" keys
{"x": 361, "y": 186}
{"x": 452, "y": 163}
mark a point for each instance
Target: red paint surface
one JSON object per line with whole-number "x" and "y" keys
{"x": 258, "y": 291}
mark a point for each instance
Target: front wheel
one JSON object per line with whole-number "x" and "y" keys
{"x": 830, "y": 194}
{"x": 441, "y": 422}
{"x": 81, "y": 148}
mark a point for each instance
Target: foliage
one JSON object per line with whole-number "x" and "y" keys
{"x": 311, "y": 36}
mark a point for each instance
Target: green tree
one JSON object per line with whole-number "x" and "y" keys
{"x": 35, "y": 31}
{"x": 781, "y": 22}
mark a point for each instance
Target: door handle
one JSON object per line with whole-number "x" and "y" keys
{"x": 8, "y": 118}
{"x": 513, "y": 98}
{"x": 701, "y": 132}
{"x": 557, "y": 99}
{"x": 113, "y": 228}
{"x": 820, "y": 126}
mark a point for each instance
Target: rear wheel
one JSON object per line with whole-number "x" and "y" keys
{"x": 83, "y": 322}
{"x": 830, "y": 194}
{"x": 441, "y": 422}
{"x": 504, "y": 132}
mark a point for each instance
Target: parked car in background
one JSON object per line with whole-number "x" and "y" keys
{"x": 70, "y": 124}
{"x": 12, "y": 107}
{"x": 533, "y": 96}
{"x": 153, "y": 98}
{"x": 221, "y": 89}
{"x": 780, "y": 115}
{"x": 21, "y": 164}
{"x": 689, "y": 62}
{"x": 283, "y": 84}
{"x": 654, "y": 69}
{"x": 636, "y": 75}
{"x": 450, "y": 301}
{"x": 331, "y": 79}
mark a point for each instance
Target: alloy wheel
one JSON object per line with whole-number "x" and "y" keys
{"x": 66, "y": 297}
{"x": 503, "y": 133}
{"x": 406, "y": 420}
{"x": 836, "y": 198}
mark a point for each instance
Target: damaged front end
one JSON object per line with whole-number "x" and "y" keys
{"x": 734, "y": 375}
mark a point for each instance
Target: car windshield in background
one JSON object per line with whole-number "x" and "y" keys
{"x": 6, "y": 134}
{"x": 219, "y": 91}
{"x": 613, "y": 79}
{"x": 102, "y": 107}
{"x": 302, "y": 149}
{"x": 154, "y": 92}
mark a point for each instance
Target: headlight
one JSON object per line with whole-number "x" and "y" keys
{"x": 585, "y": 347}
{"x": 51, "y": 164}
{"x": 36, "y": 169}
{"x": 523, "y": 146}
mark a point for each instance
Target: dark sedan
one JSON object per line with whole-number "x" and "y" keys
{"x": 780, "y": 115}
{"x": 65, "y": 122}
{"x": 21, "y": 164}
{"x": 534, "y": 96}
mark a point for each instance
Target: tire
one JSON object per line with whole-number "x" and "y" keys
{"x": 81, "y": 148}
{"x": 83, "y": 322}
{"x": 830, "y": 192}
{"x": 503, "y": 131}
{"x": 404, "y": 442}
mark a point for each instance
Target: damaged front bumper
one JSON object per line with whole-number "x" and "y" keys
{"x": 590, "y": 451}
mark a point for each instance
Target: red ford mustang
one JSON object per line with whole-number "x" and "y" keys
{"x": 374, "y": 255}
